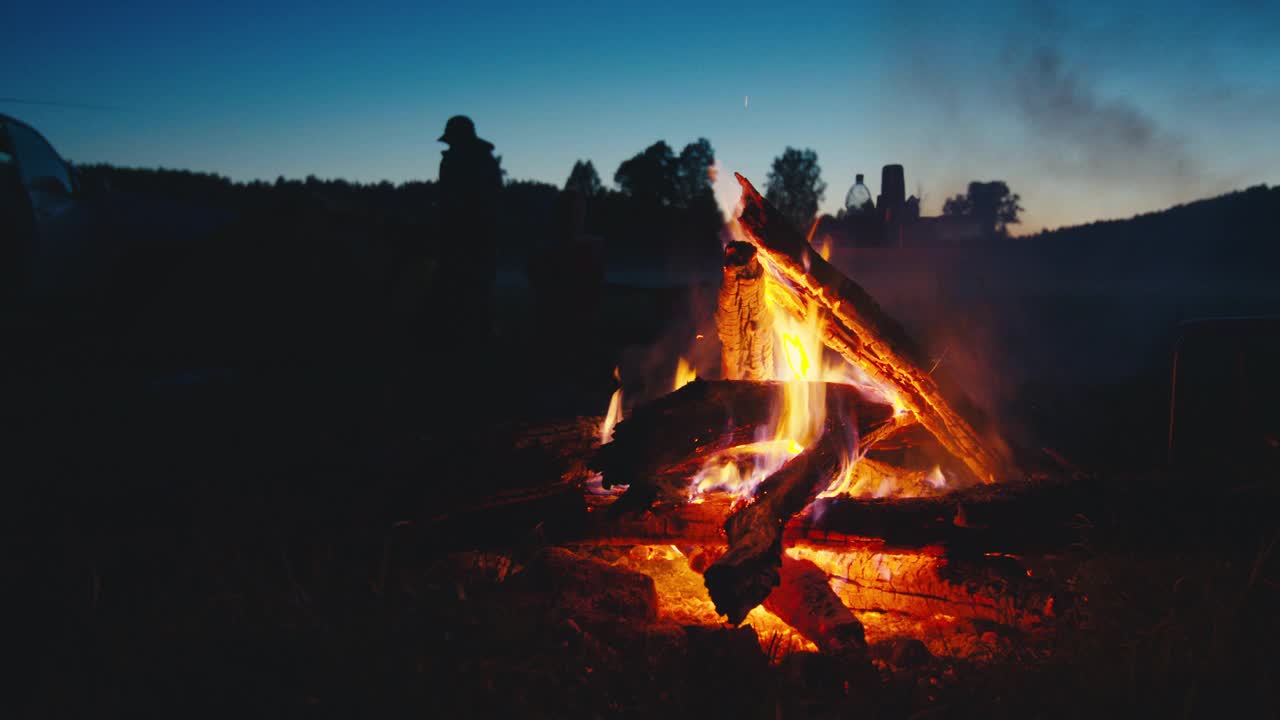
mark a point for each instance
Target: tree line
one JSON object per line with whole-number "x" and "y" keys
{"x": 660, "y": 210}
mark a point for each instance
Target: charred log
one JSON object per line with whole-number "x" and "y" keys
{"x": 742, "y": 318}
{"x": 570, "y": 442}
{"x": 551, "y": 512}
{"x": 864, "y": 334}
{"x": 663, "y": 444}
{"x": 1038, "y": 517}
{"x": 684, "y": 524}
{"x": 805, "y": 601}
{"x": 1017, "y": 518}
{"x": 745, "y": 575}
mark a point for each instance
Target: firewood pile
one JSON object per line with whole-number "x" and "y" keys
{"x": 812, "y": 556}
{"x": 774, "y": 269}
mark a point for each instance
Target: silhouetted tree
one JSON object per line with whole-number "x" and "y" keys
{"x": 658, "y": 176}
{"x": 795, "y": 186}
{"x": 650, "y": 176}
{"x": 584, "y": 179}
{"x": 990, "y": 202}
{"x": 692, "y": 171}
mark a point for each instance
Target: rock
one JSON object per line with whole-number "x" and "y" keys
{"x": 590, "y": 591}
{"x": 902, "y": 652}
{"x": 728, "y": 674}
{"x": 819, "y": 675}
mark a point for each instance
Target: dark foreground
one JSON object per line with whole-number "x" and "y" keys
{"x": 247, "y": 536}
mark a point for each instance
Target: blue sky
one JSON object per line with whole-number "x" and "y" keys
{"x": 1088, "y": 110}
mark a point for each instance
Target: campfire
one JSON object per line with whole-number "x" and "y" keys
{"x": 807, "y": 492}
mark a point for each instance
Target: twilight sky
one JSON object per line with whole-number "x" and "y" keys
{"x": 1087, "y": 109}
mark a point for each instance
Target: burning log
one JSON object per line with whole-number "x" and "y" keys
{"x": 664, "y": 443}
{"x": 1022, "y": 517}
{"x": 926, "y": 583}
{"x": 1016, "y": 518}
{"x": 745, "y": 575}
{"x": 742, "y": 319}
{"x": 857, "y": 328}
{"x": 805, "y": 601}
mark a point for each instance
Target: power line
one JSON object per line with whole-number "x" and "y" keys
{"x": 54, "y": 103}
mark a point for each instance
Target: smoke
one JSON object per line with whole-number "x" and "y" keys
{"x": 727, "y": 191}
{"x": 1079, "y": 131}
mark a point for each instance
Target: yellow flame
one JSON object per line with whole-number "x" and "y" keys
{"x": 739, "y": 469}
{"x": 612, "y": 417}
{"x": 799, "y": 418}
{"x": 797, "y": 358}
{"x": 864, "y": 478}
{"x": 803, "y": 366}
{"x": 804, "y": 401}
{"x": 685, "y": 374}
{"x": 870, "y": 478}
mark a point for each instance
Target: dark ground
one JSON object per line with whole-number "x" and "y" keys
{"x": 216, "y": 508}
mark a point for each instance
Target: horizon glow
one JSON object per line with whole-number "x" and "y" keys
{"x": 1088, "y": 111}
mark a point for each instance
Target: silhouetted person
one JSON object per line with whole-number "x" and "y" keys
{"x": 457, "y": 324}
{"x": 469, "y": 185}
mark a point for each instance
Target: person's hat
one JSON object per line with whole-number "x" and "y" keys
{"x": 459, "y": 128}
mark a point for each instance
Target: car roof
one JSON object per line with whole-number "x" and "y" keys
{"x": 11, "y": 119}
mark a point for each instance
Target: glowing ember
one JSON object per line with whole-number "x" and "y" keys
{"x": 893, "y": 594}
{"x": 683, "y": 598}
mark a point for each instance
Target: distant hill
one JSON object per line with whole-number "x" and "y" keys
{"x": 1217, "y": 229}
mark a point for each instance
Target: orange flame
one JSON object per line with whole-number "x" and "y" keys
{"x": 802, "y": 363}
{"x": 799, "y": 419}
{"x": 615, "y": 412}
{"x": 685, "y": 374}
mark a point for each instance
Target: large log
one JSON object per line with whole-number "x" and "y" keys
{"x": 805, "y": 601}
{"x": 1017, "y": 518}
{"x": 745, "y": 575}
{"x": 662, "y": 444}
{"x": 570, "y": 442}
{"x": 1021, "y": 518}
{"x": 865, "y": 335}
{"x": 743, "y": 321}
{"x": 927, "y": 583}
